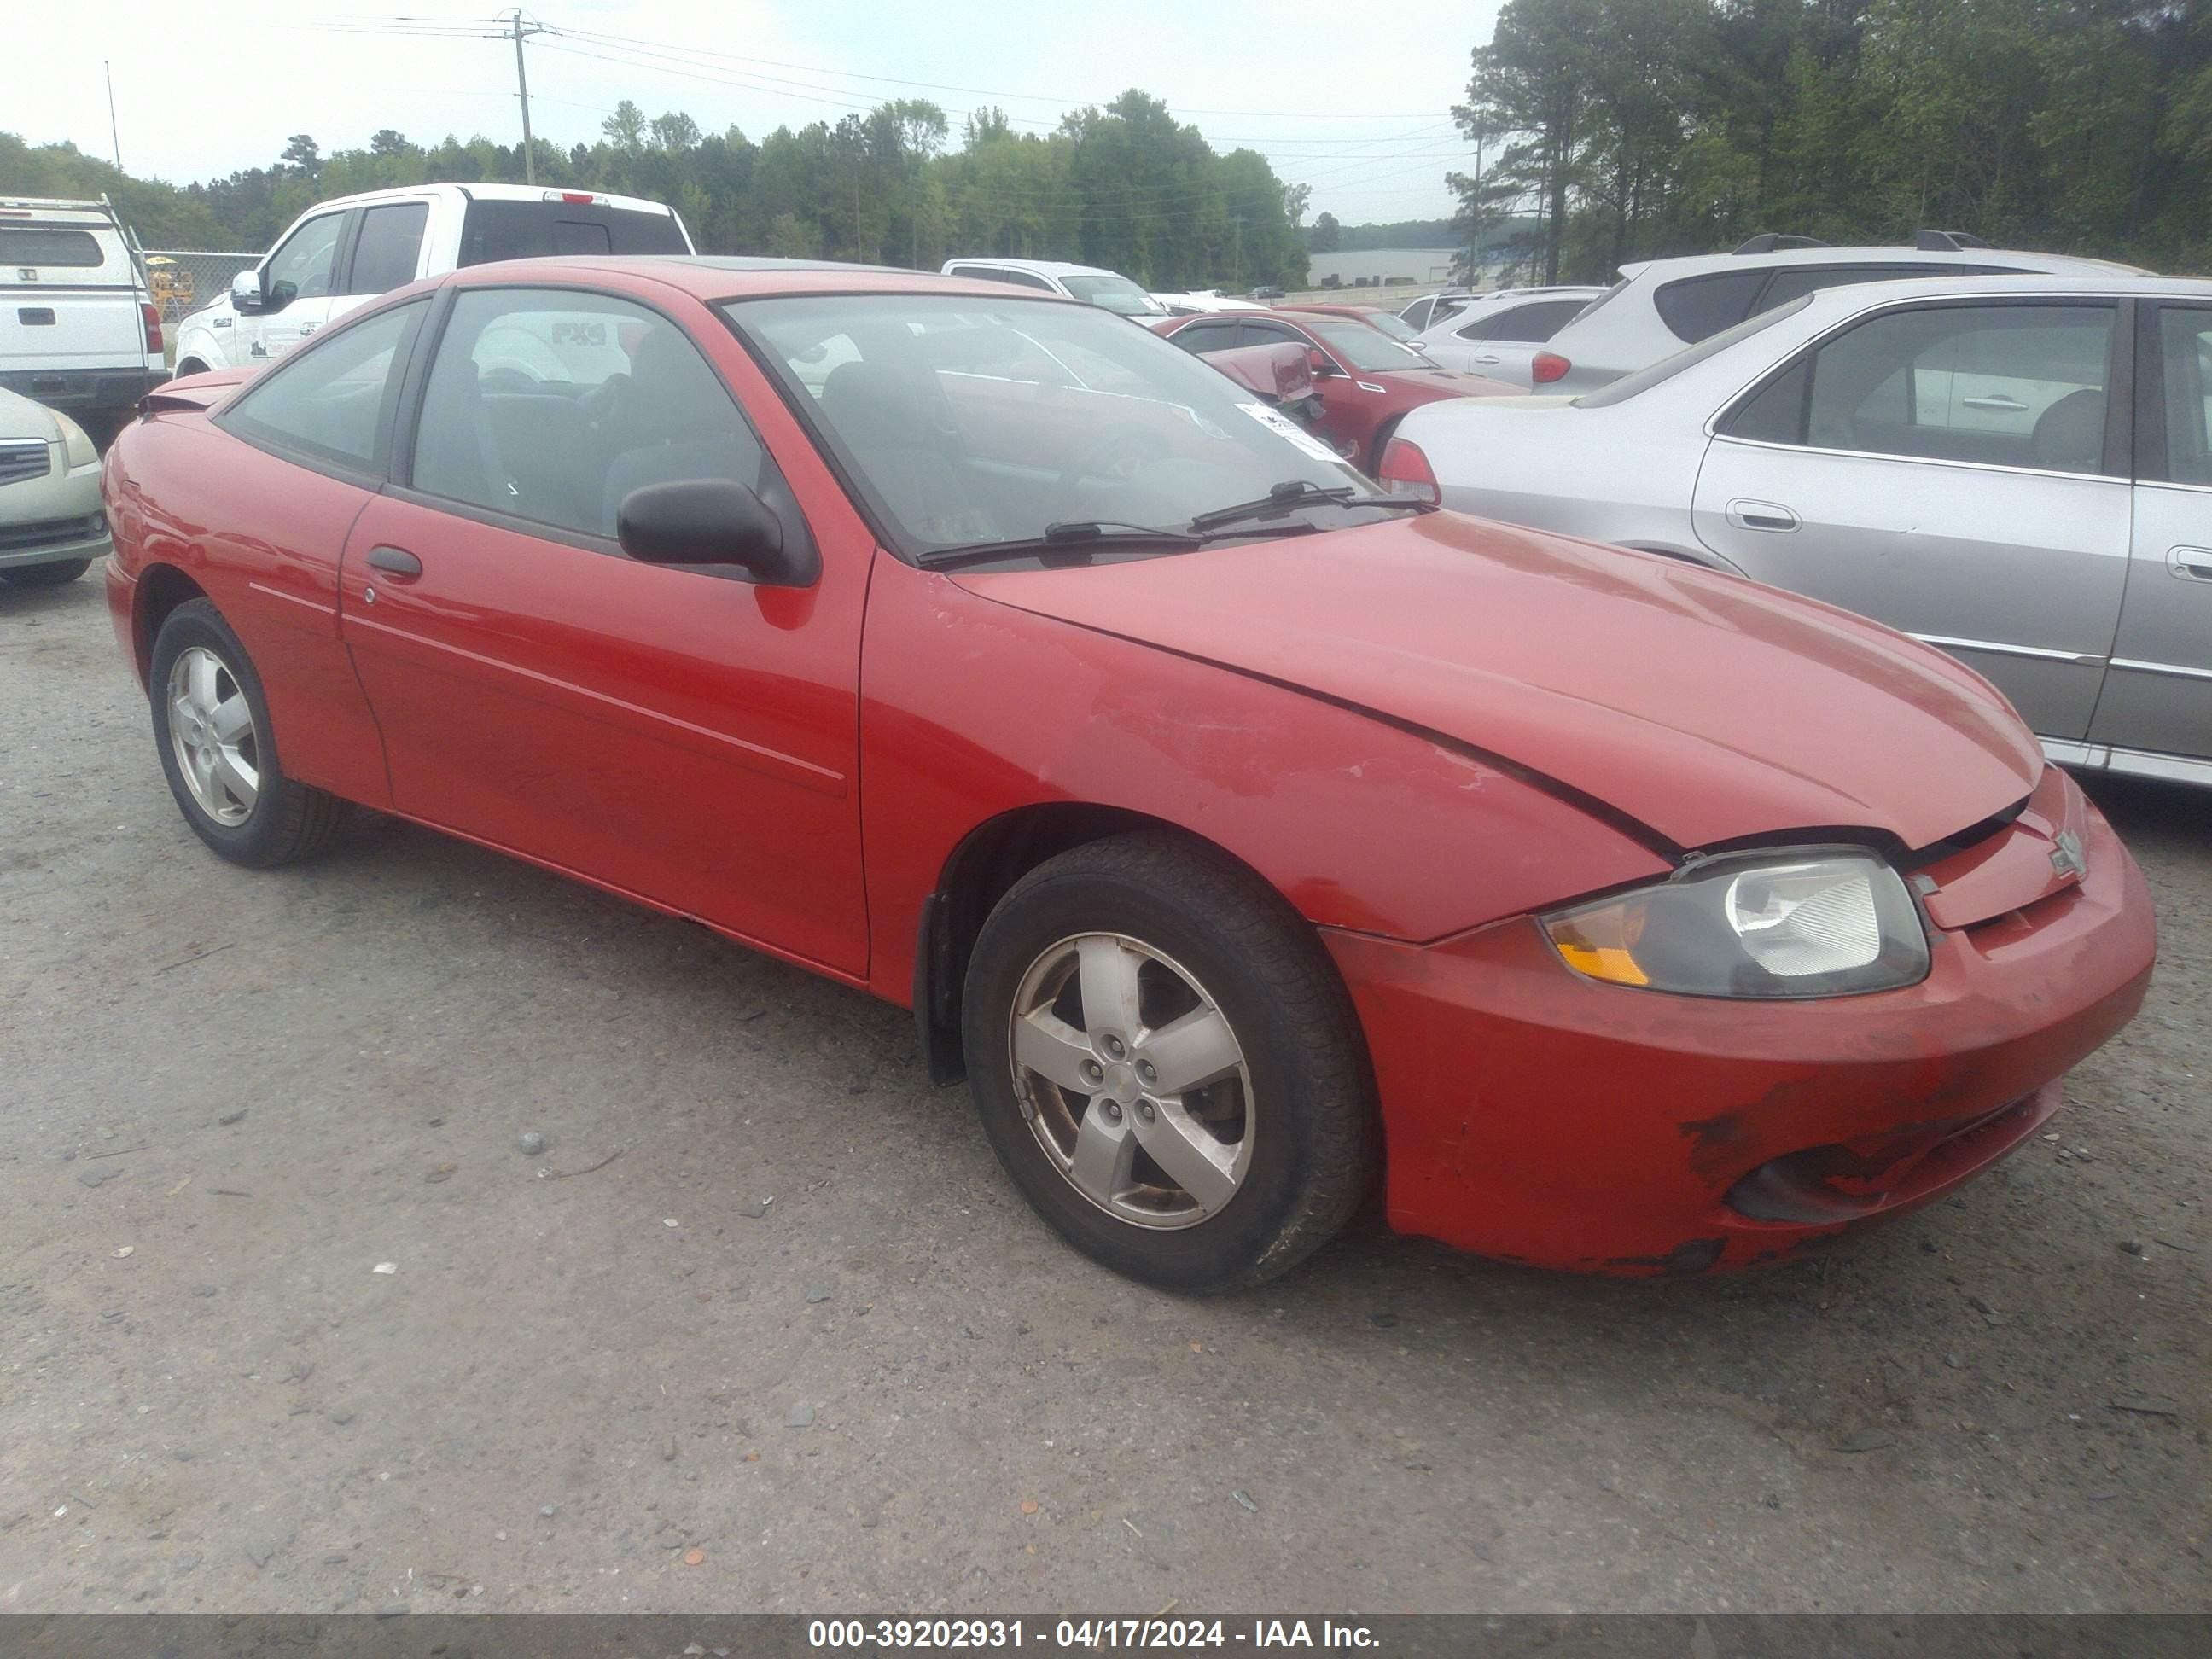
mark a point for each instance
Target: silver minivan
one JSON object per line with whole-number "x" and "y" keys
{"x": 2017, "y": 470}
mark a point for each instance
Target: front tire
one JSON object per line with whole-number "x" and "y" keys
{"x": 218, "y": 747}
{"x": 45, "y": 575}
{"x": 1167, "y": 1064}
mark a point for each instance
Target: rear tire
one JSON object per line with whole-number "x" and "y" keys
{"x": 1266, "y": 1139}
{"x": 45, "y": 575}
{"x": 218, "y": 749}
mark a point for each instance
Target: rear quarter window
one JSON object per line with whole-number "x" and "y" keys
{"x": 1698, "y": 307}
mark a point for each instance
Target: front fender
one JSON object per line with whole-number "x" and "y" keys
{"x": 971, "y": 710}
{"x": 206, "y": 334}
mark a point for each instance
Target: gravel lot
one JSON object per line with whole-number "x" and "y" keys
{"x": 229, "y": 1098}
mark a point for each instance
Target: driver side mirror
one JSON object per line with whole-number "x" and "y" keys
{"x": 713, "y": 521}
{"x": 1320, "y": 363}
{"x": 245, "y": 293}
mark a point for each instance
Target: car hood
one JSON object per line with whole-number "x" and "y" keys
{"x": 1705, "y": 707}
{"x": 21, "y": 418}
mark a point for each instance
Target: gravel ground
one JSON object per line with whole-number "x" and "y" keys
{"x": 288, "y": 1321}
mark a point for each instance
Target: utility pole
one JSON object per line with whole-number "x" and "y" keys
{"x": 519, "y": 32}
{"x": 112, "y": 135}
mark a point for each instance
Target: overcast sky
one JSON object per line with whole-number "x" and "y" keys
{"x": 1359, "y": 108}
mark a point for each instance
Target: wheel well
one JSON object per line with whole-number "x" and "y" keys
{"x": 191, "y": 366}
{"x": 994, "y": 857}
{"x": 160, "y": 590}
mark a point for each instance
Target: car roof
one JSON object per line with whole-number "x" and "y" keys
{"x": 706, "y": 277}
{"x": 1041, "y": 267}
{"x": 491, "y": 193}
{"x": 1858, "y": 296}
{"x": 1701, "y": 264}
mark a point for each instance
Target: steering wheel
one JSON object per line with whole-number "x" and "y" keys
{"x": 1118, "y": 458}
{"x": 608, "y": 404}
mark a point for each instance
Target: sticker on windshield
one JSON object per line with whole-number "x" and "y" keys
{"x": 1285, "y": 428}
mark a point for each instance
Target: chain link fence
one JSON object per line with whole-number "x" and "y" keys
{"x": 184, "y": 279}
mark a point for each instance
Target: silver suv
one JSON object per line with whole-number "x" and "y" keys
{"x": 1660, "y": 305}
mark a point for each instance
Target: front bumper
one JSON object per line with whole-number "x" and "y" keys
{"x": 54, "y": 518}
{"x": 1533, "y": 1114}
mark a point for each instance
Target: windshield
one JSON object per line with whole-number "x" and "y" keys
{"x": 1367, "y": 349}
{"x": 1395, "y": 326}
{"x": 1115, "y": 294}
{"x": 965, "y": 422}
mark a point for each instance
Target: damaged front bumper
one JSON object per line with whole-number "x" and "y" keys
{"x": 1536, "y": 1116}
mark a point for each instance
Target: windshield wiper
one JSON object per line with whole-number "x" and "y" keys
{"x": 1071, "y": 541}
{"x": 1296, "y": 493}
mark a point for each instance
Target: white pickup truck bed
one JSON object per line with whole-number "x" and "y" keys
{"x": 77, "y": 329}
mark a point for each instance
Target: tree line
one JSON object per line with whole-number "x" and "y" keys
{"x": 1127, "y": 186}
{"x": 1636, "y": 128}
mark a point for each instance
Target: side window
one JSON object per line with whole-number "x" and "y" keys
{"x": 1416, "y": 315}
{"x": 2010, "y": 386}
{"x": 330, "y": 402}
{"x": 300, "y": 269}
{"x": 1793, "y": 281}
{"x": 2184, "y": 339}
{"x": 1532, "y": 324}
{"x": 1202, "y": 338}
{"x": 1274, "y": 334}
{"x": 389, "y": 248}
{"x": 1698, "y": 307}
{"x": 552, "y": 406}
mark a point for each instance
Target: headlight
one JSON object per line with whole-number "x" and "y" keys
{"x": 1813, "y": 922}
{"x": 76, "y": 443}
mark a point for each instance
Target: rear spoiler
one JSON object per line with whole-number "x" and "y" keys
{"x": 194, "y": 393}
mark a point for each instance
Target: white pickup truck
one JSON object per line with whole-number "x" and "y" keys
{"x": 78, "y": 329}
{"x": 339, "y": 254}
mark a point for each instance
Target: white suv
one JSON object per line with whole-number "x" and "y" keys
{"x": 1660, "y": 305}
{"x": 339, "y": 254}
{"x": 1107, "y": 290}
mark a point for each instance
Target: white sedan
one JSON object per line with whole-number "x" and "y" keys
{"x": 2015, "y": 469}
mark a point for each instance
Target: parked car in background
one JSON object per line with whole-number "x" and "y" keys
{"x": 1267, "y": 291}
{"x": 1498, "y": 333}
{"x": 1366, "y": 380}
{"x": 1373, "y": 316}
{"x": 341, "y": 253}
{"x": 2017, "y": 470}
{"x": 51, "y": 527}
{"x": 78, "y": 329}
{"x": 1660, "y": 305}
{"x": 1434, "y": 307}
{"x": 1109, "y": 290}
{"x": 1254, "y": 841}
{"x": 1191, "y": 305}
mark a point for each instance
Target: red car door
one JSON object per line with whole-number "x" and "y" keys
{"x": 677, "y": 734}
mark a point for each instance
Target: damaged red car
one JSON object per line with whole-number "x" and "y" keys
{"x": 1250, "y": 838}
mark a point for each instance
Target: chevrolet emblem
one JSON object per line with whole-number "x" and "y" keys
{"x": 2067, "y": 856}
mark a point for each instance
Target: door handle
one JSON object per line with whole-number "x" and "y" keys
{"x": 1490, "y": 357}
{"x": 1761, "y": 515}
{"x": 1999, "y": 402}
{"x": 2190, "y": 563}
{"x": 394, "y": 562}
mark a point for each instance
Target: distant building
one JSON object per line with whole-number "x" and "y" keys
{"x": 1419, "y": 265}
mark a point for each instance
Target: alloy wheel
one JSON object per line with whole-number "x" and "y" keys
{"x": 211, "y": 728}
{"x": 1132, "y": 1080}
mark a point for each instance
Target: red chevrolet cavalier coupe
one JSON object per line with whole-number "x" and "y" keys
{"x": 1249, "y": 837}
